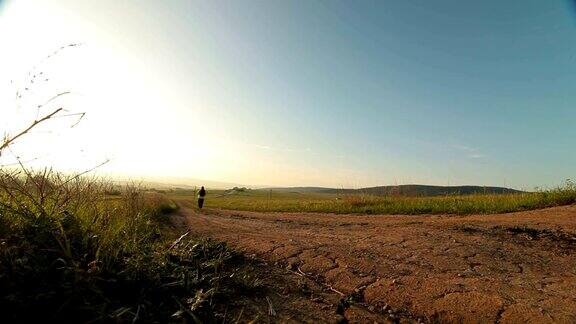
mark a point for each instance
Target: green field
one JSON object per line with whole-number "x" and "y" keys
{"x": 275, "y": 201}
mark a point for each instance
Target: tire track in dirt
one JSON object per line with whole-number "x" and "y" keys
{"x": 506, "y": 268}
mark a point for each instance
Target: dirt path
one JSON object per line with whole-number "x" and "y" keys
{"x": 510, "y": 268}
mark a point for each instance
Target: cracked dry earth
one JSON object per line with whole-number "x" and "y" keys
{"x": 508, "y": 268}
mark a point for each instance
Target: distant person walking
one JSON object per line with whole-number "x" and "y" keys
{"x": 201, "y": 195}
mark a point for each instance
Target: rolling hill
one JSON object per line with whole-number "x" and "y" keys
{"x": 406, "y": 190}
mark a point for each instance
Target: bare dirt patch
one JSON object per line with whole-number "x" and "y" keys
{"x": 509, "y": 268}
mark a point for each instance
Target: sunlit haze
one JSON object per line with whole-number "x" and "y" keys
{"x": 297, "y": 93}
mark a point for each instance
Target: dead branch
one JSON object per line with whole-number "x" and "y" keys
{"x": 9, "y": 141}
{"x": 178, "y": 240}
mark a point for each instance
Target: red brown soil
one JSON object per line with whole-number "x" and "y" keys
{"x": 505, "y": 268}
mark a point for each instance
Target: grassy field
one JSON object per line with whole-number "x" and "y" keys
{"x": 272, "y": 201}
{"x": 80, "y": 250}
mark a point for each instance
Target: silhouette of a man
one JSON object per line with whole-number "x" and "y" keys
{"x": 201, "y": 196}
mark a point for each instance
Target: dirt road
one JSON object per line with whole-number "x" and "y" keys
{"x": 511, "y": 268}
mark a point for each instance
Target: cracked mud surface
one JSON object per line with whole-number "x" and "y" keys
{"x": 509, "y": 268}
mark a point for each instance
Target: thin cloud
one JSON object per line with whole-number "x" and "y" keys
{"x": 469, "y": 152}
{"x": 476, "y": 156}
{"x": 281, "y": 149}
{"x": 278, "y": 149}
{"x": 264, "y": 147}
{"x": 463, "y": 148}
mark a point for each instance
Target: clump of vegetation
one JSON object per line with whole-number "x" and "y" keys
{"x": 260, "y": 200}
{"x": 70, "y": 251}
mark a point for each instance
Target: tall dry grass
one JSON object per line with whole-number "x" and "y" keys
{"x": 73, "y": 215}
{"x": 80, "y": 249}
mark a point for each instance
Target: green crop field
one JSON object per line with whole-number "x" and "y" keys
{"x": 280, "y": 201}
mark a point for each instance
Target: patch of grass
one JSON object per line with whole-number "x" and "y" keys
{"x": 71, "y": 252}
{"x": 264, "y": 201}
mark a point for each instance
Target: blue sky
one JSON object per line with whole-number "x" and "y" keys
{"x": 342, "y": 93}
